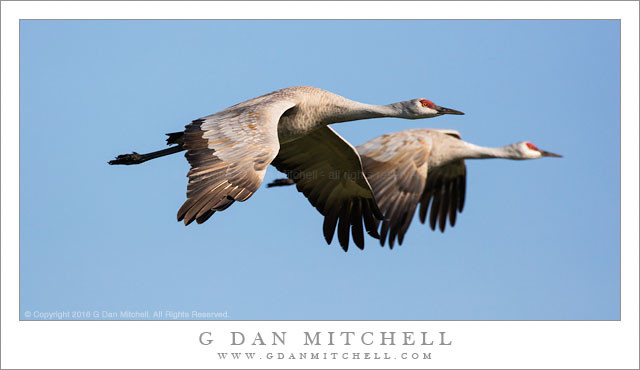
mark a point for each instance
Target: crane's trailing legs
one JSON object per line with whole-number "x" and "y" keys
{"x": 281, "y": 182}
{"x": 136, "y": 158}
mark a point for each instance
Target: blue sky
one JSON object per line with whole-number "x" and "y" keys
{"x": 537, "y": 239}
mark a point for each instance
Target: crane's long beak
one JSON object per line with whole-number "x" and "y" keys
{"x": 549, "y": 154}
{"x": 443, "y": 110}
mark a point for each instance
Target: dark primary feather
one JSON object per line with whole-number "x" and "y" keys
{"x": 445, "y": 189}
{"x": 328, "y": 171}
{"x": 206, "y": 191}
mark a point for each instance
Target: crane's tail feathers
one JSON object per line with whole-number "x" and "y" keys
{"x": 281, "y": 182}
{"x": 135, "y": 158}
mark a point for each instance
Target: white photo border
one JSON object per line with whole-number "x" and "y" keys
{"x": 176, "y": 344}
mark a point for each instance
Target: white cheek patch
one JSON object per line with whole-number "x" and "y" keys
{"x": 531, "y": 153}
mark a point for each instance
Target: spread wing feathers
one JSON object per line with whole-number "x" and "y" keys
{"x": 328, "y": 171}
{"x": 396, "y": 166}
{"x": 229, "y": 152}
{"x": 444, "y": 192}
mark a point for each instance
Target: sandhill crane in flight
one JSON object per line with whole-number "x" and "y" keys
{"x": 229, "y": 152}
{"x": 426, "y": 167}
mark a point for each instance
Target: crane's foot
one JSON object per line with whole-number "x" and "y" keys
{"x": 133, "y": 158}
{"x": 281, "y": 182}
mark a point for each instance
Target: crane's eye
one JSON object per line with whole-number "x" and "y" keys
{"x": 427, "y": 104}
{"x": 532, "y": 147}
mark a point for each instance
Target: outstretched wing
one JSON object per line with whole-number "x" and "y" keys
{"x": 445, "y": 189}
{"x": 229, "y": 153}
{"x": 396, "y": 166}
{"x": 445, "y": 192}
{"x": 328, "y": 171}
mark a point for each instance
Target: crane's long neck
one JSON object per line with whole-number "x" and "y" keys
{"x": 349, "y": 110}
{"x": 471, "y": 151}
